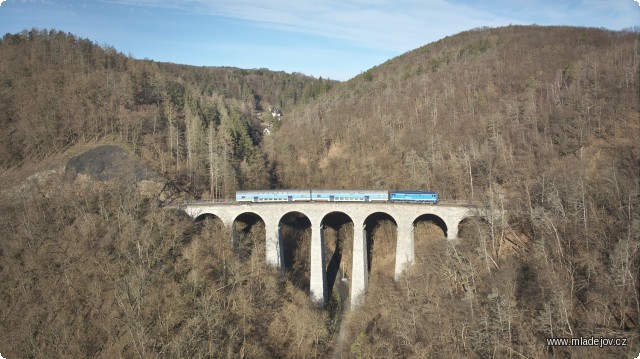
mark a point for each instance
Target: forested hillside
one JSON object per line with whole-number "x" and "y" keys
{"x": 539, "y": 124}
{"x": 94, "y": 267}
{"x": 541, "y": 121}
{"x": 194, "y": 124}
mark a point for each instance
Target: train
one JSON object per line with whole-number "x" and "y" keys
{"x": 326, "y": 195}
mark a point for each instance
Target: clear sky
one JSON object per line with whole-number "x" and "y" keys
{"x": 335, "y": 39}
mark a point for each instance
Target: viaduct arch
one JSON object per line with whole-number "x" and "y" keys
{"x": 447, "y": 217}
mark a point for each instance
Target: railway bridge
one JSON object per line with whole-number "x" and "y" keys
{"x": 405, "y": 215}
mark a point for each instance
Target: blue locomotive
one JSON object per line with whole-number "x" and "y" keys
{"x": 414, "y": 197}
{"x": 325, "y": 195}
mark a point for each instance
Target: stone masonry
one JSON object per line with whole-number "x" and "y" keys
{"x": 404, "y": 214}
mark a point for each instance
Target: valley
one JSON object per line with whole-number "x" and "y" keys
{"x": 97, "y": 148}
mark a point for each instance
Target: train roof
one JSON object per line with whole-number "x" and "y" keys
{"x": 347, "y": 191}
{"x": 414, "y": 192}
{"x": 273, "y": 191}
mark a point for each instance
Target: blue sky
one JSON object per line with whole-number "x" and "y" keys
{"x": 335, "y": 39}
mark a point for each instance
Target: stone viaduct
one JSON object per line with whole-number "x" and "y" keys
{"x": 404, "y": 214}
